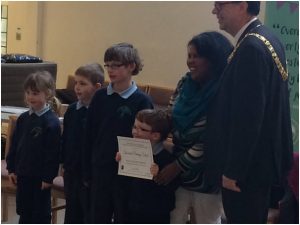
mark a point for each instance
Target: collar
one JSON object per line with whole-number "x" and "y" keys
{"x": 157, "y": 147}
{"x": 241, "y": 31}
{"x": 79, "y": 105}
{"x": 124, "y": 94}
{"x": 40, "y": 112}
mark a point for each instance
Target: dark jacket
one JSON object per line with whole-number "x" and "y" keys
{"x": 249, "y": 126}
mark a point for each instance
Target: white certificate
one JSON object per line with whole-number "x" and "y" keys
{"x": 136, "y": 157}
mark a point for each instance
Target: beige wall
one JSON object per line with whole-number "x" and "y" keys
{"x": 22, "y": 15}
{"x": 75, "y": 33}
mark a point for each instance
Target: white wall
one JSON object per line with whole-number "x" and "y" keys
{"x": 75, "y": 33}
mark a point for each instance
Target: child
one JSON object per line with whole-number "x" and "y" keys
{"x": 33, "y": 158}
{"x": 111, "y": 114}
{"x": 150, "y": 203}
{"x": 88, "y": 79}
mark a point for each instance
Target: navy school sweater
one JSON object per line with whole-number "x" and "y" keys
{"x": 109, "y": 116}
{"x": 72, "y": 138}
{"x": 34, "y": 151}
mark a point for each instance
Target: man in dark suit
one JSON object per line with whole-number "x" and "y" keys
{"x": 249, "y": 128}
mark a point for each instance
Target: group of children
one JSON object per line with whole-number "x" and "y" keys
{"x": 88, "y": 147}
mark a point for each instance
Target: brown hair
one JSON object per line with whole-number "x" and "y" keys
{"x": 42, "y": 81}
{"x": 159, "y": 120}
{"x": 126, "y": 54}
{"x": 93, "y": 72}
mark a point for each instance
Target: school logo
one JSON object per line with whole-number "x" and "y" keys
{"x": 123, "y": 112}
{"x": 36, "y": 131}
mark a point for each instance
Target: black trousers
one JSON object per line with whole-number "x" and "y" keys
{"x": 33, "y": 204}
{"x": 77, "y": 198}
{"x": 248, "y": 206}
{"x": 109, "y": 198}
{"x": 148, "y": 218}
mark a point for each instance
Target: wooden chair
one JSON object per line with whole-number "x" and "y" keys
{"x": 160, "y": 96}
{"x": 6, "y": 187}
{"x": 143, "y": 87}
{"x": 57, "y": 192}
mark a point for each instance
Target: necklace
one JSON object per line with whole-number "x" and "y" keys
{"x": 282, "y": 71}
{"x": 238, "y": 44}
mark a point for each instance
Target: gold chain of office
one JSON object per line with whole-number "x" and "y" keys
{"x": 284, "y": 74}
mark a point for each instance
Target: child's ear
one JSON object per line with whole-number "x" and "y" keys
{"x": 155, "y": 136}
{"x": 98, "y": 85}
{"x": 49, "y": 95}
{"x": 132, "y": 66}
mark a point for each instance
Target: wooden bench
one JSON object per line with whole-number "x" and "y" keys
{"x": 159, "y": 95}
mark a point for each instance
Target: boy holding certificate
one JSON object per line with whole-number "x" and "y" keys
{"x": 150, "y": 203}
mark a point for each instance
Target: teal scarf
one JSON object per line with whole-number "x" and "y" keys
{"x": 192, "y": 102}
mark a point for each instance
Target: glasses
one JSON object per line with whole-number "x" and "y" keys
{"x": 219, "y": 5}
{"x": 140, "y": 129}
{"x": 113, "y": 66}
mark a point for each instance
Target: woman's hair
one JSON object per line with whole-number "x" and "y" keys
{"x": 126, "y": 54}
{"x": 159, "y": 120}
{"x": 41, "y": 81}
{"x": 93, "y": 72}
{"x": 215, "y": 48}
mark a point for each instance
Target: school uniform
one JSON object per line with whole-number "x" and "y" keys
{"x": 34, "y": 158}
{"x": 110, "y": 114}
{"x": 150, "y": 203}
{"x": 72, "y": 145}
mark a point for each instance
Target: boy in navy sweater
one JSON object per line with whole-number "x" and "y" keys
{"x": 88, "y": 79}
{"x": 150, "y": 203}
{"x": 33, "y": 158}
{"x": 111, "y": 114}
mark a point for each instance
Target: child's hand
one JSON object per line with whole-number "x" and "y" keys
{"x": 45, "y": 185}
{"x": 154, "y": 169}
{"x": 12, "y": 178}
{"x": 118, "y": 157}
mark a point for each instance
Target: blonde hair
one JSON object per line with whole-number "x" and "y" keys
{"x": 55, "y": 105}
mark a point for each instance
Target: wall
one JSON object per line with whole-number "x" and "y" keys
{"x": 22, "y": 15}
{"x": 75, "y": 33}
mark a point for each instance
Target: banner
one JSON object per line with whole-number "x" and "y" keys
{"x": 283, "y": 18}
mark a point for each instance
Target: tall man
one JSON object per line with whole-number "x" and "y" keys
{"x": 250, "y": 138}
